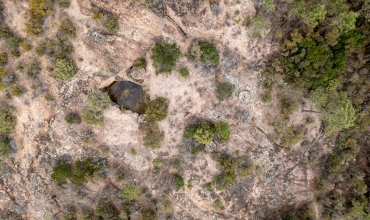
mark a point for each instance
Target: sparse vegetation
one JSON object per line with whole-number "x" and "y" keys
{"x": 108, "y": 21}
{"x": 67, "y": 29}
{"x": 4, "y": 148}
{"x": 64, "y": 69}
{"x": 63, "y": 3}
{"x": 92, "y": 118}
{"x": 38, "y": 10}
{"x": 165, "y": 57}
{"x": 139, "y": 63}
{"x": 17, "y": 90}
{"x": 153, "y": 136}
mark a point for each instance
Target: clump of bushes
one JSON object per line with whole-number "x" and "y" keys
{"x": 179, "y": 181}
{"x": 225, "y": 90}
{"x": 130, "y": 192}
{"x": 7, "y": 120}
{"x": 81, "y": 172}
{"x": 108, "y": 21}
{"x": 156, "y": 110}
{"x": 165, "y": 57}
{"x": 4, "y": 147}
{"x": 231, "y": 167}
{"x": 104, "y": 210}
{"x": 67, "y": 28}
{"x": 153, "y": 136}
{"x": 206, "y": 52}
{"x": 64, "y": 69}
{"x": 92, "y": 118}
{"x": 184, "y": 72}
{"x": 288, "y": 135}
{"x": 38, "y": 10}
{"x": 58, "y": 47}
{"x": 25, "y": 46}
{"x": 205, "y": 133}
{"x": 288, "y": 106}
{"x": 73, "y": 118}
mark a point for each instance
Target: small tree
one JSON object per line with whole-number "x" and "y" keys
{"x": 209, "y": 54}
{"x": 165, "y": 57}
{"x": 64, "y": 69}
{"x": 204, "y": 133}
{"x": 156, "y": 110}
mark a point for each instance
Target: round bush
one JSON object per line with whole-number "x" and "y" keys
{"x": 223, "y": 130}
{"x": 156, "y": 110}
{"x": 64, "y": 69}
{"x": 205, "y": 133}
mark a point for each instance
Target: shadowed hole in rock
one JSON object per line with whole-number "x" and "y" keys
{"x": 128, "y": 95}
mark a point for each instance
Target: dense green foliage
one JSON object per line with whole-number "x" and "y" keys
{"x": 179, "y": 182}
{"x": 73, "y": 118}
{"x": 64, "y": 69}
{"x": 209, "y": 54}
{"x": 205, "y": 133}
{"x": 190, "y": 131}
{"x": 165, "y": 57}
{"x": 130, "y": 192}
{"x": 156, "y": 110}
{"x": 184, "y": 72}
{"x": 225, "y": 90}
{"x": 223, "y": 130}
{"x": 153, "y": 136}
{"x": 7, "y": 120}
{"x": 81, "y": 172}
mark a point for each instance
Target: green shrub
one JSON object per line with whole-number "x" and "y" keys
{"x": 38, "y": 10}
{"x": 67, "y": 28}
{"x": 25, "y": 46}
{"x": 139, "y": 63}
{"x": 3, "y": 59}
{"x": 217, "y": 204}
{"x": 92, "y": 118}
{"x": 58, "y": 47}
{"x": 64, "y": 69}
{"x": 225, "y": 90}
{"x": 224, "y": 180}
{"x": 73, "y": 118}
{"x": 61, "y": 172}
{"x": 49, "y": 97}
{"x": 39, "y": 50}
{"x": 198, "y": 149}
{"x": 288, "y": 106}
{"x": 223, "y": 130}
{"x": 63, "y": 3}
{"x": 130, "y": 192}
{"x": 165, "y": 57}
{"x": 133, "y": 151}
{"x": 84, "y": 170}
{"x": 7, "y": 120}
{"x": 204, "y": 133}
{"x": 190, "y": 131}
{"x": 179, "y": 182}
{"x": 99, "y": 101}
{"x": 209, "y": 54}
{"x": 104, "y": 210}
{"x": 33, "y": 69}
{"x": 4, "y": 148}
{"x": 208, "y": 186}
{"x": 108, "y": 21}
{"x": 17, "y": 90}
{"x": 153, "y": 136}
{"x": 156, "y": 110}
{"x": 184, "y": 72}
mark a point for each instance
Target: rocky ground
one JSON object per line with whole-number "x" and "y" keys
{"x": 43, "y": 139}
